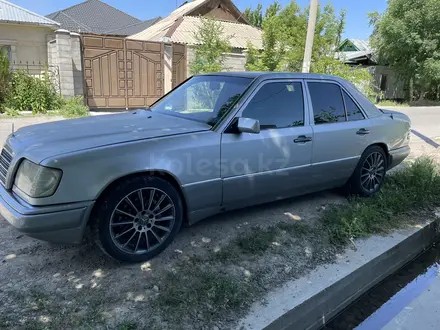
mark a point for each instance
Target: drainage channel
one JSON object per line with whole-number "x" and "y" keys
{"x": 381, "y": 304}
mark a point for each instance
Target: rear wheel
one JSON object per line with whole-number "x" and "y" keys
{"x": 138, "y": 218}
{"x": 369, "y": 174}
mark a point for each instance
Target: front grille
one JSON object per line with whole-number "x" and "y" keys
{"x": 5, "y": 161}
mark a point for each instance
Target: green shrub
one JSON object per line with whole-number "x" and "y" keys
{"x": 391, "y": 103}
{"x": 11, "y": 112}
{"x": 73, "y": 107}
{"x": 33, "y": 93}
{"x": 5, "y": 79}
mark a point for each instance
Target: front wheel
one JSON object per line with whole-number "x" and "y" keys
{"x": 369, "y": 174}
{"x": 138, "y": 218}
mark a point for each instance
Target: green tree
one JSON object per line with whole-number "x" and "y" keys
{"x": 5, "y": 78}
{"x": 254, "y": 16}
{"x": 209, "y": 54}
{"x": 284, "y": 35}
{"x": 406, "y": 37}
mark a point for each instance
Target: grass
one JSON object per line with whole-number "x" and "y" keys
{"x": 412, "y": 188}
{"x": 390, "y": 103}
{"x": 73, "y": 108}
{"x": 258, "y": 241}
{"x": 197, "y": 291}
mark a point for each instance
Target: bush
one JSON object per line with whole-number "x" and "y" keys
{"x": 5, "y": 79}
{"x": 33, "y": 93}
{"x": 73, "y": 107}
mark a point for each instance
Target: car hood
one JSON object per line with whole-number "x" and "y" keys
{"x": 41, "y": 141}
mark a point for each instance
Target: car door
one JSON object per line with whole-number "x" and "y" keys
{"x": 340, "y": 133}
{"x": 273, "y": 163}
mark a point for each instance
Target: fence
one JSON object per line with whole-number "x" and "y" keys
{"x": 39, "y": 70}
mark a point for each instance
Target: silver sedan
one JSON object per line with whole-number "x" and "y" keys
{"x": 215, "y": 143}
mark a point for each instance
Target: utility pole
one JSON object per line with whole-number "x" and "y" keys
{"x": 310, "y": 35}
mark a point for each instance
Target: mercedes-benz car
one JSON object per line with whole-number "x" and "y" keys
{"x": 215, "y": 143}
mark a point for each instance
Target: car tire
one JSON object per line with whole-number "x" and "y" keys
{"x": 133, "y": 231}
{"x": 369, "y": 175}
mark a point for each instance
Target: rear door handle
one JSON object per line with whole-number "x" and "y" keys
{"x": 302, "y": 139}
{"x": 363, "y": 131}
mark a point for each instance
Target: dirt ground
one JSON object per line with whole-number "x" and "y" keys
{"x": 42, "y": 284}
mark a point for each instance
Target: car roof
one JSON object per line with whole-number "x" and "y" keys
{"x": 273, "y": 75}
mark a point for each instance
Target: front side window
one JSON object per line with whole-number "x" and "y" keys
{"x": 203, "y": 98}
{"x": 353, "y": 111}
{"x": 328, "y": 106}
{"x": 277, "y": 105}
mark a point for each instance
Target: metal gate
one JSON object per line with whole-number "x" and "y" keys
{"x": 179, "y": 64}
{"x": 122, "y": 73}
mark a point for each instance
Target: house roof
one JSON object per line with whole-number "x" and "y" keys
{"x": 11, "y": 13}
{"x": 135, "y": 28}
{"x": 357, "y": 44}
{"x": 95, "y": 16}
{"x": 355, "y": 50}
{"x": 353, "y": 57}
{"x": 181, "y": 27}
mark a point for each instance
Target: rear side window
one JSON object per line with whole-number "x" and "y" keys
{"x": 277, "y": 105}
{"x": 328, "y": 106}
{"x": 353, "y": 111}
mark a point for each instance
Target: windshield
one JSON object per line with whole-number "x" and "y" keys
{"x": 203, "y": 98}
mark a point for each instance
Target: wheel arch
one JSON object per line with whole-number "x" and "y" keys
{"x": 157, "y": 173}
{"x": 384, "y": 147}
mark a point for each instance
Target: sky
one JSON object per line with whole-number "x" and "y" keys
{"x": 356, "y": 19}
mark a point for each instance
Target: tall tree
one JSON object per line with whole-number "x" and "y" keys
{"x": 284, "y": 35}
{"x": 212, "y": 44}
{"x": 254, "y": 16}
{"x": 407, "y": 38}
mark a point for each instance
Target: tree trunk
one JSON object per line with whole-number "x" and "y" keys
{"x": 411, "y": 90}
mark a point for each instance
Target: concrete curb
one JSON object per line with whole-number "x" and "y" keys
{"x": 314, "y": 312}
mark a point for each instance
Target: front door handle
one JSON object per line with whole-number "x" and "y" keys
{"x": 363, "y": 131}
{"x": 302, "y": 139}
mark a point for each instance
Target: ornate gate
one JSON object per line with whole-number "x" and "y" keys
{"x": 179, "y": 64}
{"x": 122, "y": 73}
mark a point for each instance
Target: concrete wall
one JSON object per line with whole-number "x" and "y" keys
{"x": 64, "y": 51}
{"x": 28, "y": 42}
{"x": 234, "y": 61}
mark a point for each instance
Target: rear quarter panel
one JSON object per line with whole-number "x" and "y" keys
{"x": 394, "y": 133}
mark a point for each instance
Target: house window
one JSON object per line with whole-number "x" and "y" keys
{"x": 383, "y": 82}
{"x": 6, "y": 49}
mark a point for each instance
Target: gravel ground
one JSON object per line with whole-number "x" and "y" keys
{"x": 43, "y": 284}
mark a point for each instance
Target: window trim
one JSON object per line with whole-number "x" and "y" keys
{"x": 355, "y": 103}
{"x": 256, "y": 89}
{"x": 342, "y": 88}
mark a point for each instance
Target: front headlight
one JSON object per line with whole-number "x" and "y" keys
{"x": 36, "y": 180}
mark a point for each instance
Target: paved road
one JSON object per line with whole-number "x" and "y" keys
{"x": 424, "y": 120}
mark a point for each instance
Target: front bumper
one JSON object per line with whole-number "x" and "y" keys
{"x": 63, "y": 223}
{"x": 398, "y": 155}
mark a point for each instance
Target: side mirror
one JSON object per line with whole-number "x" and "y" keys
{"x": 248, "y": 125}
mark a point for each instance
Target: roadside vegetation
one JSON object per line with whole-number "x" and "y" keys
{"x": 20, "y": 91}
{"x": 390, "y": 103}
{"x": 406, "y": 39}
